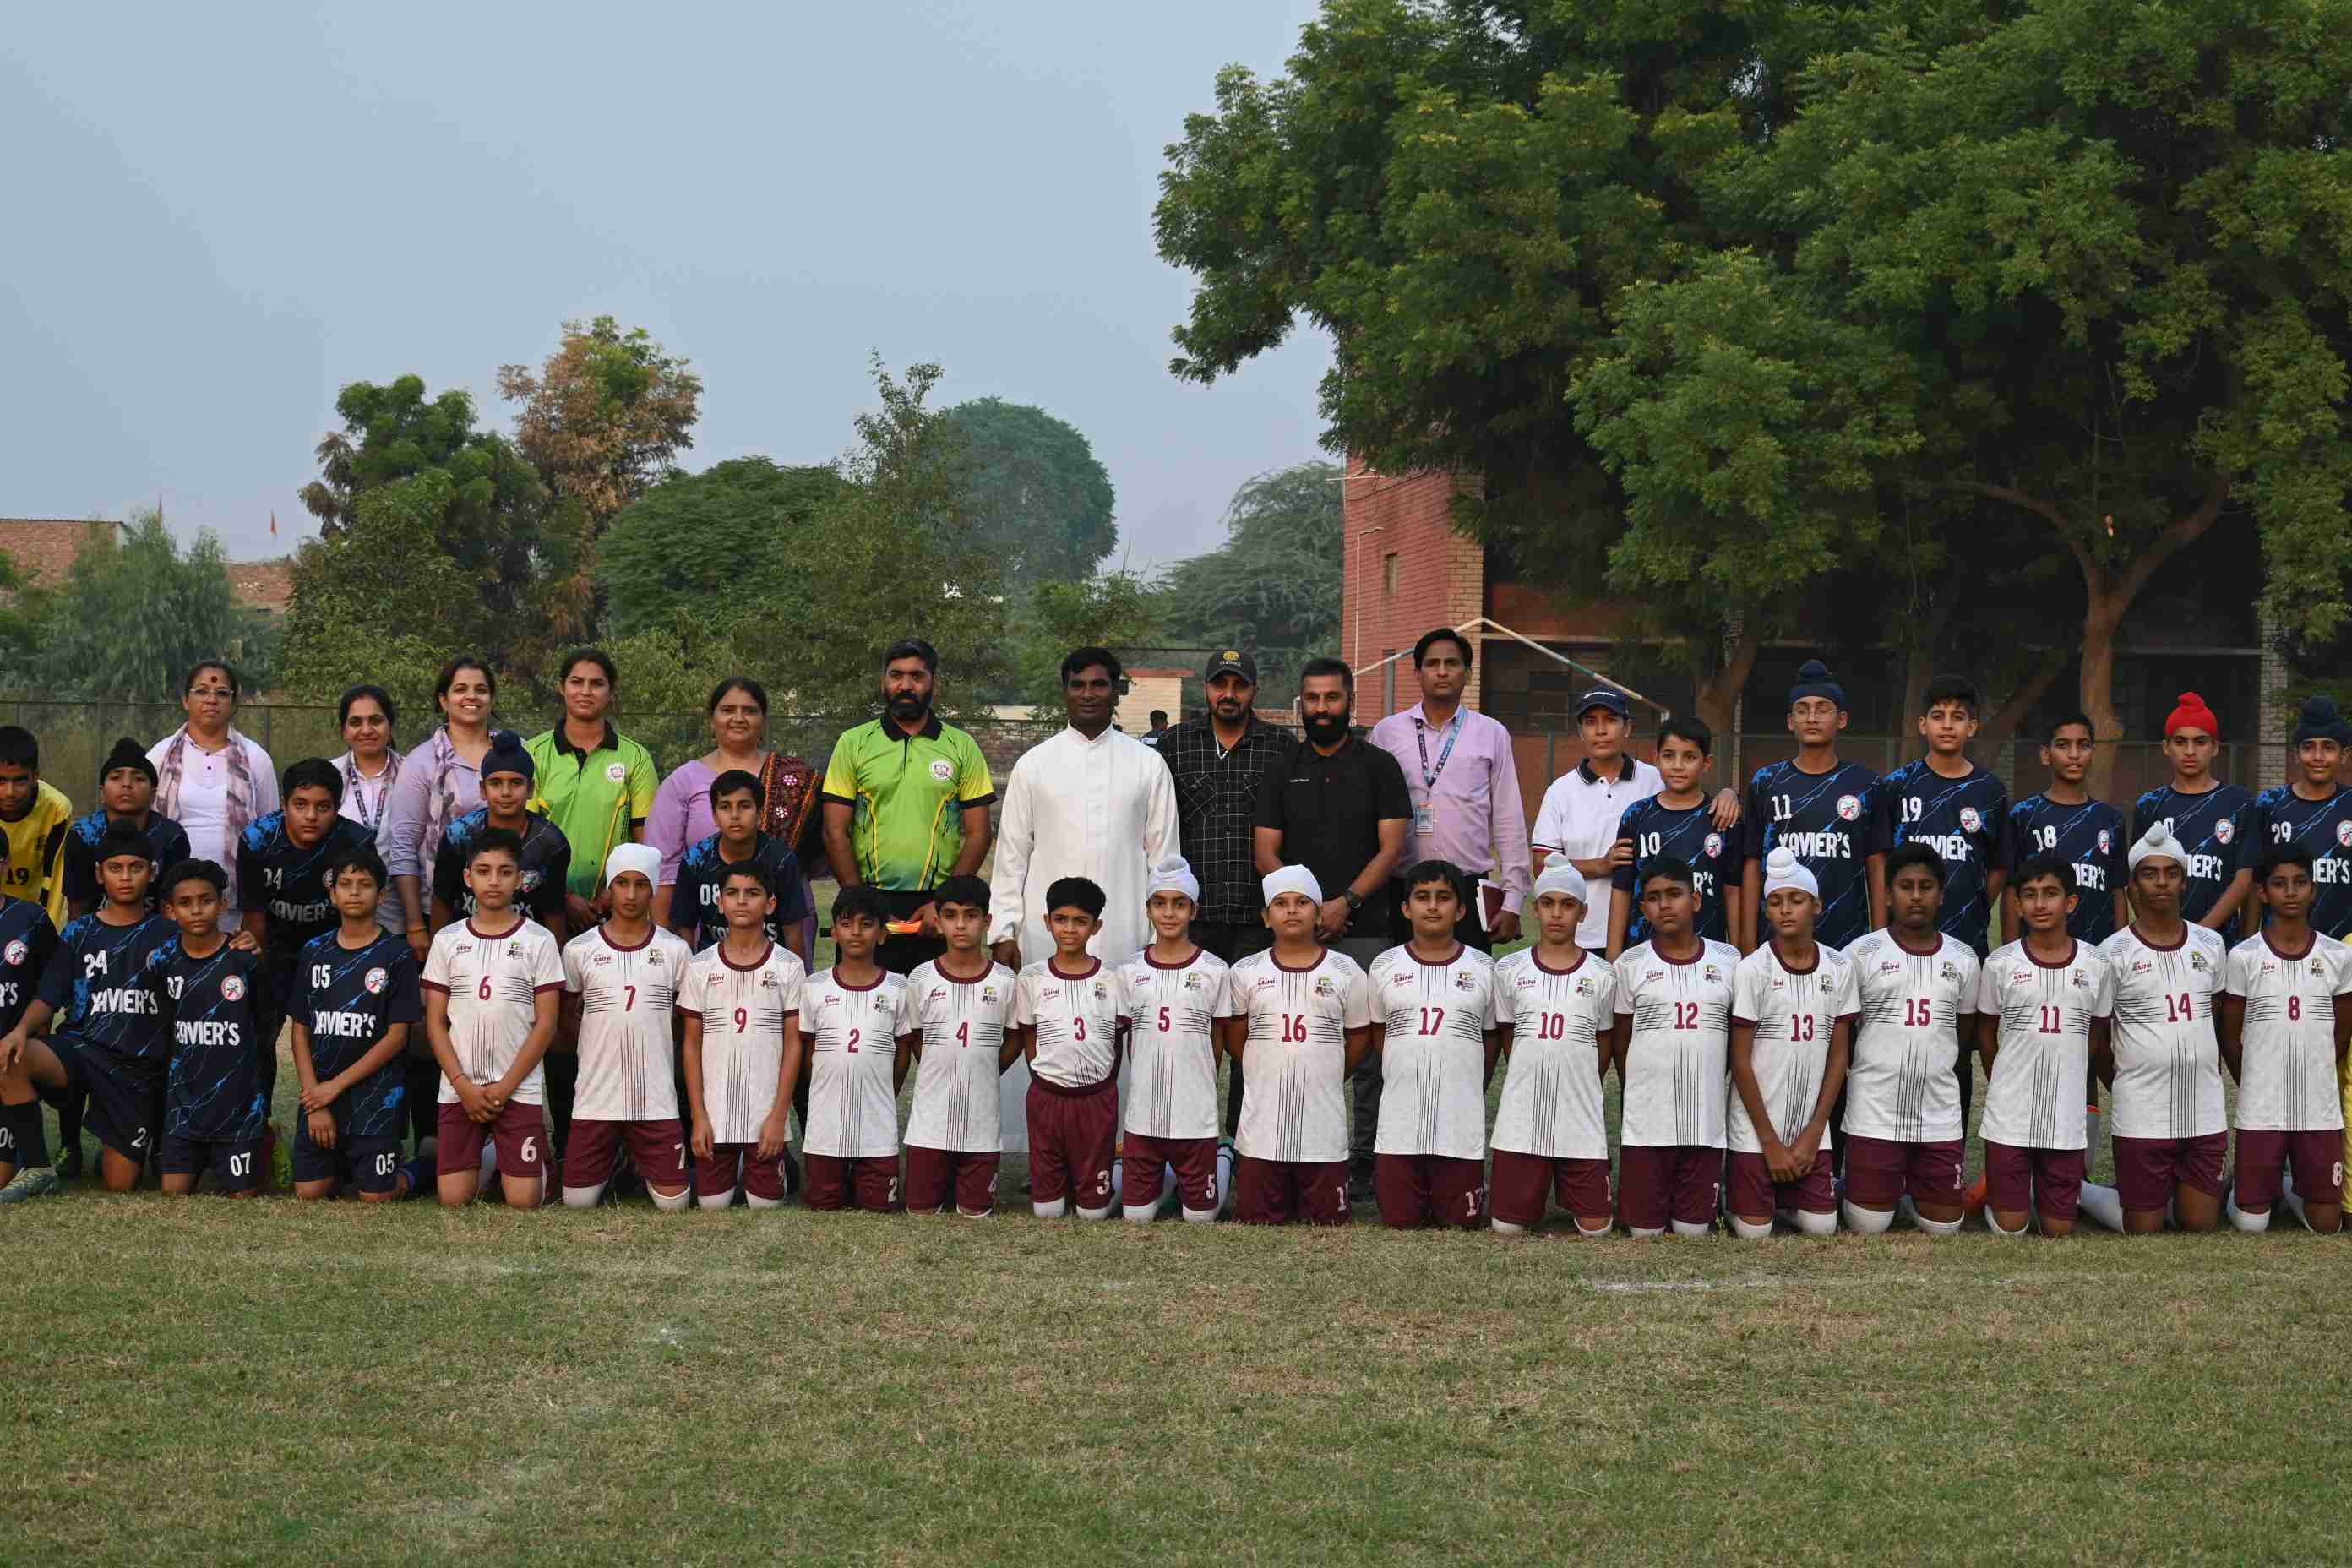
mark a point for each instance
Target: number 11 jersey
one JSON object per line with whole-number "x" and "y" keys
{"x": 2041, "y": 1070}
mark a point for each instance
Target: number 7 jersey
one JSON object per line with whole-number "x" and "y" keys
{"x": 627, "y": 997}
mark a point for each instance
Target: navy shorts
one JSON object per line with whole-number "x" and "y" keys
{"x": 126, "y": 1111}
{"x": 234, "y": 1163}
{"x": 365, "y": 1165}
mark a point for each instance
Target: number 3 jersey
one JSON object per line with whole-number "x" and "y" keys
{"x": 1794, "y": 1012}
{"x": 2167, "y": 1060}
{"x": 348, "y": 998}
{"x": 493, "y": 984}
{"x": 1433, "y": 1051}
{"x": 1076, "y": 1021}
{"x": 1675, "y": 1057}
{"x": 963, "y": 1022}
{"x": 2042, "y": 1068}
{"x": 851, "y": 1033}
{"x": 1552, "y": 1103}
{"x": 2286, "y": 1079}
{"x": 1295, "y": 1058}
{"x": 742, "y": 1010}
{"x": 627, "y": 997}
{"x": 1171, "y": 1012}
{"x": 1902, "y": 1081}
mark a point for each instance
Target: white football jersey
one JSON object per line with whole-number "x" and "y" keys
{"x": 742, "y": 1013}
{"x": 853, "y": 1041}
{"x": 1551, "y": 1092}
{"x": 627, "y": 999}
{"x": 1172, "y": 1078}
{"x": 1433, "y": 1056}
{"x": 493, "y": 984}
{"x": 962, "y": 1023}
{"x": 2287, "y": 1080}
{"x": 2167, "y": 1058}
{"x": 1795, "y": 1013}
{"x": 1076, "y": 1022}
{"x": 1903, "y": 1081}
{"x": 2042, "y": 1067}
{"x": 1294, "y": 1059}
{"x": 1674, "y": 1059}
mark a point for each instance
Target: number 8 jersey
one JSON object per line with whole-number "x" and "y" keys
{"x": 1674, "y": 1059}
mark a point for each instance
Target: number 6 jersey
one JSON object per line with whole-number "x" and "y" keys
{"x": 1674, "y": 1059}
{"x": 2041, "y": 1071}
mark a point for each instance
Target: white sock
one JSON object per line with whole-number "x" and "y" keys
{"x": 1054, "y": 1210}
{"x": 582, "y": 1197}
{"x": 717, "y": 1200}
{"x": 1135, "y": 1216}
{"x": 1684, "y": 1228}
{"x": 1601, "y": 1235}
{"x": 1868, "y": 1222}
{"x": 1201, "y": 1216}
{"x": 672, "y": 1205}
{"x": 2103, "y": 1205}
{"x": 1643, "y": 1233}
{"x": 962, "y": 1213}
{"x": 1117, "y": 1177}
{"x": 1225, "y": 1175}
{"x": 2243, "y": 1220}
{"x": 2292, "y": 1199}
{"x": 1935, "y": 1227}
{"x": 755, "y": 1201}
{"x": 490, "y": 1165}
{"x": 1994, "y": 1224}
{"x": 1813, "y": 1223}
{"x": 1507, "y": 1227}
{"x": 1747, "y": 1231}
{"x": 1103, "y": 1213}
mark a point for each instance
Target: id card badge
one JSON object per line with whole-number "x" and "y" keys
{"x": 1423, "y": 825}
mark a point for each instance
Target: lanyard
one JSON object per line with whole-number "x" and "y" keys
{"x": 355, "y": 790}
{"x": 1420, "y": 738}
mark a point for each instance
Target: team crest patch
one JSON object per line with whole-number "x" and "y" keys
{"x": 232, "y": 989}
{"x": 2082, "y": 980}
{"x": 1714, "y": 845}
{"x": 653, "y": 959}
{"x": 2106, "y": 841}
{"x": 1849, "y": 807}
{"x": 2224, "y": 830}
{"x": 615, "y": 772}
{"x": 17, "y": 952}
{"x": 1711, "y": 974}
{"x": 514, "y": 950}
{"x": 1950, "y": 971}
{"x": 942, "y": 770}
{"x": 1101, "y": 990}
{"x": 2196, "y": 961}
{"x": 1323, "y": 986}
{"x": 1465, "y": 981}
{"x": 767, "y": 981}
{"x": 376, "y": 980}
{"x": 1584, "y": 986}
{"x": 2344, "y": 833}
{"x": 2315, "y": 965}
{"x": 987, "y": 993}
{"x": 1970, "y": 820}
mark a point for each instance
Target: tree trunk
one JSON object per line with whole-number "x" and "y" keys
{"x": 1716, "y": 697}
{"x": 1999, "y": 728}
{"x": 2098, "y": 684}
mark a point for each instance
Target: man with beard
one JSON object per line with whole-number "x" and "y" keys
{"x": 905, "y": 804}
{"x": 1338, "y": 804}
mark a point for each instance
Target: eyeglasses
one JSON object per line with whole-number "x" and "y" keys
{"x": 212, "y": 693}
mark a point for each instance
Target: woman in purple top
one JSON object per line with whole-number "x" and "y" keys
{"x": 438, "y": 782}
{"x": 681, "y": 819}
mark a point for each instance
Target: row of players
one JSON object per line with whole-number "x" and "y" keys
{"x": 1711, "y": 1049}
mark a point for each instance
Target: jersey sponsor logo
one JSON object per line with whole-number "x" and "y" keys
{"x": 615, "y": 772}
{"x": 2021, "y": 977}
{"x": 342, "y": 1025}
{"x": 1400, "y": 979}
{"x": 1050, "y": 994}
{"x": 376, "y": 980}
{"x": 2106, "y": 842}
{"x": 1713, "y": 846}
{"x": 939, "y": 993}
{"x": 204, "y": 1032}
{"x": 232, "y": 988}
{"x": 1849, "y": 807}
{"x": 942, "y": 770}
{"x": 2141, "y": 966}
{"x": 16, "y": 954}
{"x": 1947, "y": 846}
{"x": 2223, "y": 831}
{"x": 602, "y": 959}
{"x": 1970, "y": 820}
{"x": 1527, "y": 983}
{"x": 1822, "y": 845}
{"x": 127, "y": 999}
{"x": 1889, "y": 967}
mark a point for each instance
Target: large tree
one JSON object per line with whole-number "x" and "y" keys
{"x": 1273, "y": 587}
{"x": 697, "y": 550}
{"x": 133, "y": 614}
{"x": 605, "y": 417}
{"x": 1038, "y": 493}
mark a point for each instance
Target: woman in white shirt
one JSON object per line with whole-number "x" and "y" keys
{"x": 210, "y": 779}
{"x": 370, "y": 767}
{"x": 438, "y": 782}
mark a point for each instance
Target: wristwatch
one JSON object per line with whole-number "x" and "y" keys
{"x": 1355, "y": 901}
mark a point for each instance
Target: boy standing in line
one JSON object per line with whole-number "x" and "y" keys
{"x": 2314, "y": 814}
{"x": 2064, "y": 821}
{"x": 1817, "y": 809}
{"x": 737, "y": 804}
{"x": 2209, "y": 818}
{"x": 126, "y": 793}
{"x": 1678, "y": 823}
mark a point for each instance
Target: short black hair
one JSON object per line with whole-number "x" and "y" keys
{"x": 1076, "y": 893}
{"x": 464, "y": 662}
{"x": 1672, "y": 868}
{"x": 495, "y": 840}
{"x": 313, "y": 773}
{"x": 190, "y": 871}
{"x": 377, "y": 694}
{"x": 911, "y": 647}
{"x": 18, "y": 749}
{"x": 1917, "y": 854}
{"x": 967, "y": 890}
{"x": 735, "y": 779}
{"x": 742, "y": 683}
{"x": 1443, "y": 634}
{"x": 1424, "y": 872}
{"x": 754, "y": 869}
{"x": 863, "y": 900}
{"x": 2037, "y": 866}
{"x": 1080, "y": 659}
{"x": 1688, "y": 727}
{"x": 1160, "y": 715}
{"x": 2279, "y": 855}
{"x": 1952, "y": 688}
{"x": 595, "y": 656}
{"x": 360, "y": 856}
{"x": 120, "y": 839}
{"x": 1326, "y": 665}
{"x": 2077, "y": 717}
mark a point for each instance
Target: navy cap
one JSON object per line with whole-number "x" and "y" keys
{"x": 1602, "y": 697}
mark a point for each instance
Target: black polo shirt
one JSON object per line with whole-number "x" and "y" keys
{"x": 1330, "y": 809}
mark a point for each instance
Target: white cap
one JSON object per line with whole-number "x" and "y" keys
{"x": 642, "y": 858}
{"x": 1293, "y": 879}
{"x": 1783, "y": 869}
{"x": 2159, "y": 845}
{"x": 1560, "y": 876}
{"x": 1173, "y": 875}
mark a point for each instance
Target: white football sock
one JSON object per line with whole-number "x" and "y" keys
{"x": 1507, "y": 1228}
{"x": 1102, "y": 1212}
{"x": 962, "y": 1213}
{"x": 1994, "y": 1226}
{"x": 2242, "y": 1219}
{"x": 490, "y": 1165}
{"x": 582, "y": 1197}
{"x": 2103, "y": 1205}
{"x": 755, "y": 1201}
{"x": 1117, "y": 1177}
{"x": 712, "y": 1201}
{"x": 1747, "y": 1231}
{"x": 1684, "y": 1228}
{"x": 1225, "y": 1175}
{"x": 2292, "y": 1199}
{"x": 1936, "y": 1226}
{"x": 1813, "y": 1223}
{"x": 1135, "y": 1216}
{"x": 1054, "y": 1210}
{"x": 671, "y": 1204}
{"x": 1643, "y": 1233}
{"x": 1601, "y": 1235}
{"x": 1201, "y": 1216}
{"x": 1868, "y": 1222}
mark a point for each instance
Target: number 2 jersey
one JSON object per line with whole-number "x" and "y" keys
{"x": 742, "y": 1008}
{"x": 1172, "y": 1014}
{"x": 1963, "y": 820}
{"x": 1794, "y": 1012}
{"x": 1551, "y": 1104}
{"x": 1295, "y": 1058}
{"x": 493, "y": 983}
{"x": 852, "y": 1034}
{"x": 1675, "y": 1054}
{"x": 1435, "y": 1018}
{"x": 1824, "y": 821}
{"x": 2042, "y": 1067}
{"x": 2167, "y": 1058}
{"x": 963, "y": 1022}
{"x": 1902, "y": 1080}
{"x": 628, "y": 997}
{"x": 2287, "y": 1078}
{"x": 211, "y": 1008}
{"x": 349, "y": 998}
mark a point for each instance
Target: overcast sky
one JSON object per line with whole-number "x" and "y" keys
{"x": 217, "y": 215}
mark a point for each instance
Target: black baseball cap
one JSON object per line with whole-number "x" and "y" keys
{"x": 1602, "y": 696}
{"x": 1230, "y": 661}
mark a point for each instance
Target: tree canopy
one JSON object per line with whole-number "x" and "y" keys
{"x": 697, "y": 545}
{"x": 1273, "y": 586}
{"x": 133, "y": 614}
{"x": 605, "y": 417}
{"x": 1039, "y": 495}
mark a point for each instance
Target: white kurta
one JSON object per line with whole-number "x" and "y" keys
{"x": 1104, "y": 809}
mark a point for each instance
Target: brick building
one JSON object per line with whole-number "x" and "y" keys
{"x": 43, "y": 548}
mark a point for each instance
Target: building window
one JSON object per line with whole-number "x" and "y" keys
{"x": 1388, "y": 575}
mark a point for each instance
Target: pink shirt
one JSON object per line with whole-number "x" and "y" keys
{"x": 1472, "y": 809}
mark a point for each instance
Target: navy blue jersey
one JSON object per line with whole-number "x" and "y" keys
{"x": 702, "y": 870}
{"x": 2279, "y": 815}
{"x": 546, "y": 865}
{"x": 2090, "y": 836}
{"x": 212, "y": 1014}
{"x": 27, "y": 942}
{"x": 292, "y": 881}
{"x": 167, "y": 845}
{"x": 2213, "y": 827}
{"x": 1823, "y": 818}
{"x": 348, "y": 997}
{"x": 92, "y": 984}
{"x": 1660, "y": 832}
{"x": 1962, "y": 820}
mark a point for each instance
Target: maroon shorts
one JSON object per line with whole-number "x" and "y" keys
{"x": 933, "y": 1174}
{"x": 1073, "y": 1134}
{"x": 2318, "y": 1166}
{"x": 1275, "y": 1192}
{"x": 761, "y": 1178}
{"x": 1415, "y": 1190}
{"x": 2047, "y": 1180}
{"x": 1880, "y": 1170}
{"x": 1658, "y": 1181}
{"x": 870, "y": 1182}
{"x": 521, "y": 1130}
{"x": 1143, "y": 1158}
{"x": 656, "y": 1148}
{"x": 1754, "y": 1192}
{"x": 1521, "y": 1182}
{"x": 2148, "y": 1169}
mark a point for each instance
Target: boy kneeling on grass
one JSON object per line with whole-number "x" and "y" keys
{"x": 213, "y": 1004}
{"x": 1176, "y": 993}
{"x": 960, "y": 1030}
{"x": 853, "y": 1014}
{"x": 1436, "y": 1026}
{"x": 1560, "y": 1027}
{"x": 1072, "y": 1011}
{"x": 354, "y": 1002}
{"x": 1792, "y": 1012}
{"x": 742, "y": 1003}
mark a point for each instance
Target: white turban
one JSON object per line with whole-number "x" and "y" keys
{"x": 1560, "y": 876}
{"x": 2160, "y": 845}
{"x": 1173, "y": 875}
{"x": 1783, "y": 869}
{"x": 1293, "y": 879}
{"x": 642, "y": 858}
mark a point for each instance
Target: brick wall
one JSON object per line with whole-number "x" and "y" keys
{"x": 1407, "y": 572}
